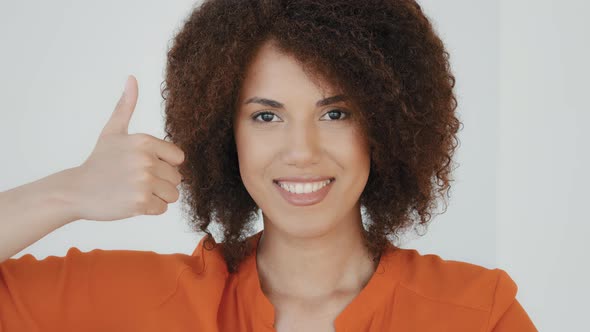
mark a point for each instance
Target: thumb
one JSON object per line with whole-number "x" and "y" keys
{"x": 119, "y": 121}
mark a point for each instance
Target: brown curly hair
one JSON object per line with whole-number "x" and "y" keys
{"x": 383, "y": 54}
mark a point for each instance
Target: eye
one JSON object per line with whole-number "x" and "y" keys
{"x": 334, "y": 114}
{"x": 266, "y": 116}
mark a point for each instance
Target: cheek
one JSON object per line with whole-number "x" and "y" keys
{"x": 253, "y": 156}
{"x": 355, "y": 158}
{"x": 353, "y": 151}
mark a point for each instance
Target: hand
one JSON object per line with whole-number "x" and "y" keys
{"x": 126, "y": 175}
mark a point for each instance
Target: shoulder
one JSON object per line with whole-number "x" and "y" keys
{"x": 138, "y": 271}
{"x": 137, "y": 279}
{"x": 124, "y": 285}
{"x": 144, "y": 277}
{"x": 99, "y": 265}
{"x": 428, "y": 278}
{"x": 117, "y": 283}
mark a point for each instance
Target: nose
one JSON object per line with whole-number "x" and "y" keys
{"x": 302, "y": 145}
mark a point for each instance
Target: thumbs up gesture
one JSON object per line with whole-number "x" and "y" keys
{"x": 127, "y": 175}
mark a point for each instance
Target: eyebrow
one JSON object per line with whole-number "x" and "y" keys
{"x": 276, "y": 104}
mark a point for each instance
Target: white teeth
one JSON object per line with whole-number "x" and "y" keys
{"x": 303, "y": 188}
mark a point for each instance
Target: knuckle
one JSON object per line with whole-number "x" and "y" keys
{"x": 152, "y": 211}
{"x": 159, "y": 208}
{"x": 145, "y": 177}
{"x": 141, "y": 139}
{"x": 144, "y": 160}
{"x": 141, "y": 204}
{"x": 144, "y": 198}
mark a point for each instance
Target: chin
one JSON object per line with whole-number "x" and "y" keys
{"x": 301, "y": 227}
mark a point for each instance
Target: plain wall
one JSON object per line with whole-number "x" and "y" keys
{"x": 519, "y": 192}
{"x": 543, "y": 225}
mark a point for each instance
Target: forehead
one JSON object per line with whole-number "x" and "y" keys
{"x": 275, "y": 73}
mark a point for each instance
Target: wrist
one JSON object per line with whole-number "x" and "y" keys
{"x": 64, "y": 193}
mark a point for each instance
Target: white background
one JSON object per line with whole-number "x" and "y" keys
{"x": 519, "y": 199}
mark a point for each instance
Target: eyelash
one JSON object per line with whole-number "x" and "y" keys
{"x": 347, "y": 115}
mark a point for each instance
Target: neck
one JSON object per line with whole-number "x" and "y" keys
{"x": 326, "y": 265}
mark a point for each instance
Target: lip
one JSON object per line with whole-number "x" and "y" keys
{"x": 304, "y": 179}
{"x": 304, "y": 199}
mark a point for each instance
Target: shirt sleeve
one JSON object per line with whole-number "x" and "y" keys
{"x": 82, "y": 289}
{"x": 507, "y": 314}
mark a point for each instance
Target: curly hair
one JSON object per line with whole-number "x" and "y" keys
{"x": 383, "y": 54}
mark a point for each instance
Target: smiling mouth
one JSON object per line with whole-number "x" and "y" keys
{"x": 306, "y": 198}
{"x": 302, "y": 181}
{"x": 294, "y": 184}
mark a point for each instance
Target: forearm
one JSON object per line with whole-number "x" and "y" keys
{"x": 31, "y": 211}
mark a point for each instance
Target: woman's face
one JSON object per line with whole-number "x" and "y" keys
{"x": 297, "y": 137}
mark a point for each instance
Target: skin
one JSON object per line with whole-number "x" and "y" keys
{"x": 327, "y": 263}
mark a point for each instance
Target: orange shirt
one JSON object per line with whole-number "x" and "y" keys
{"x": 127, "y": 290}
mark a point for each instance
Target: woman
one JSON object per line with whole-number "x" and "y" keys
{"x": 308, "y": 111}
